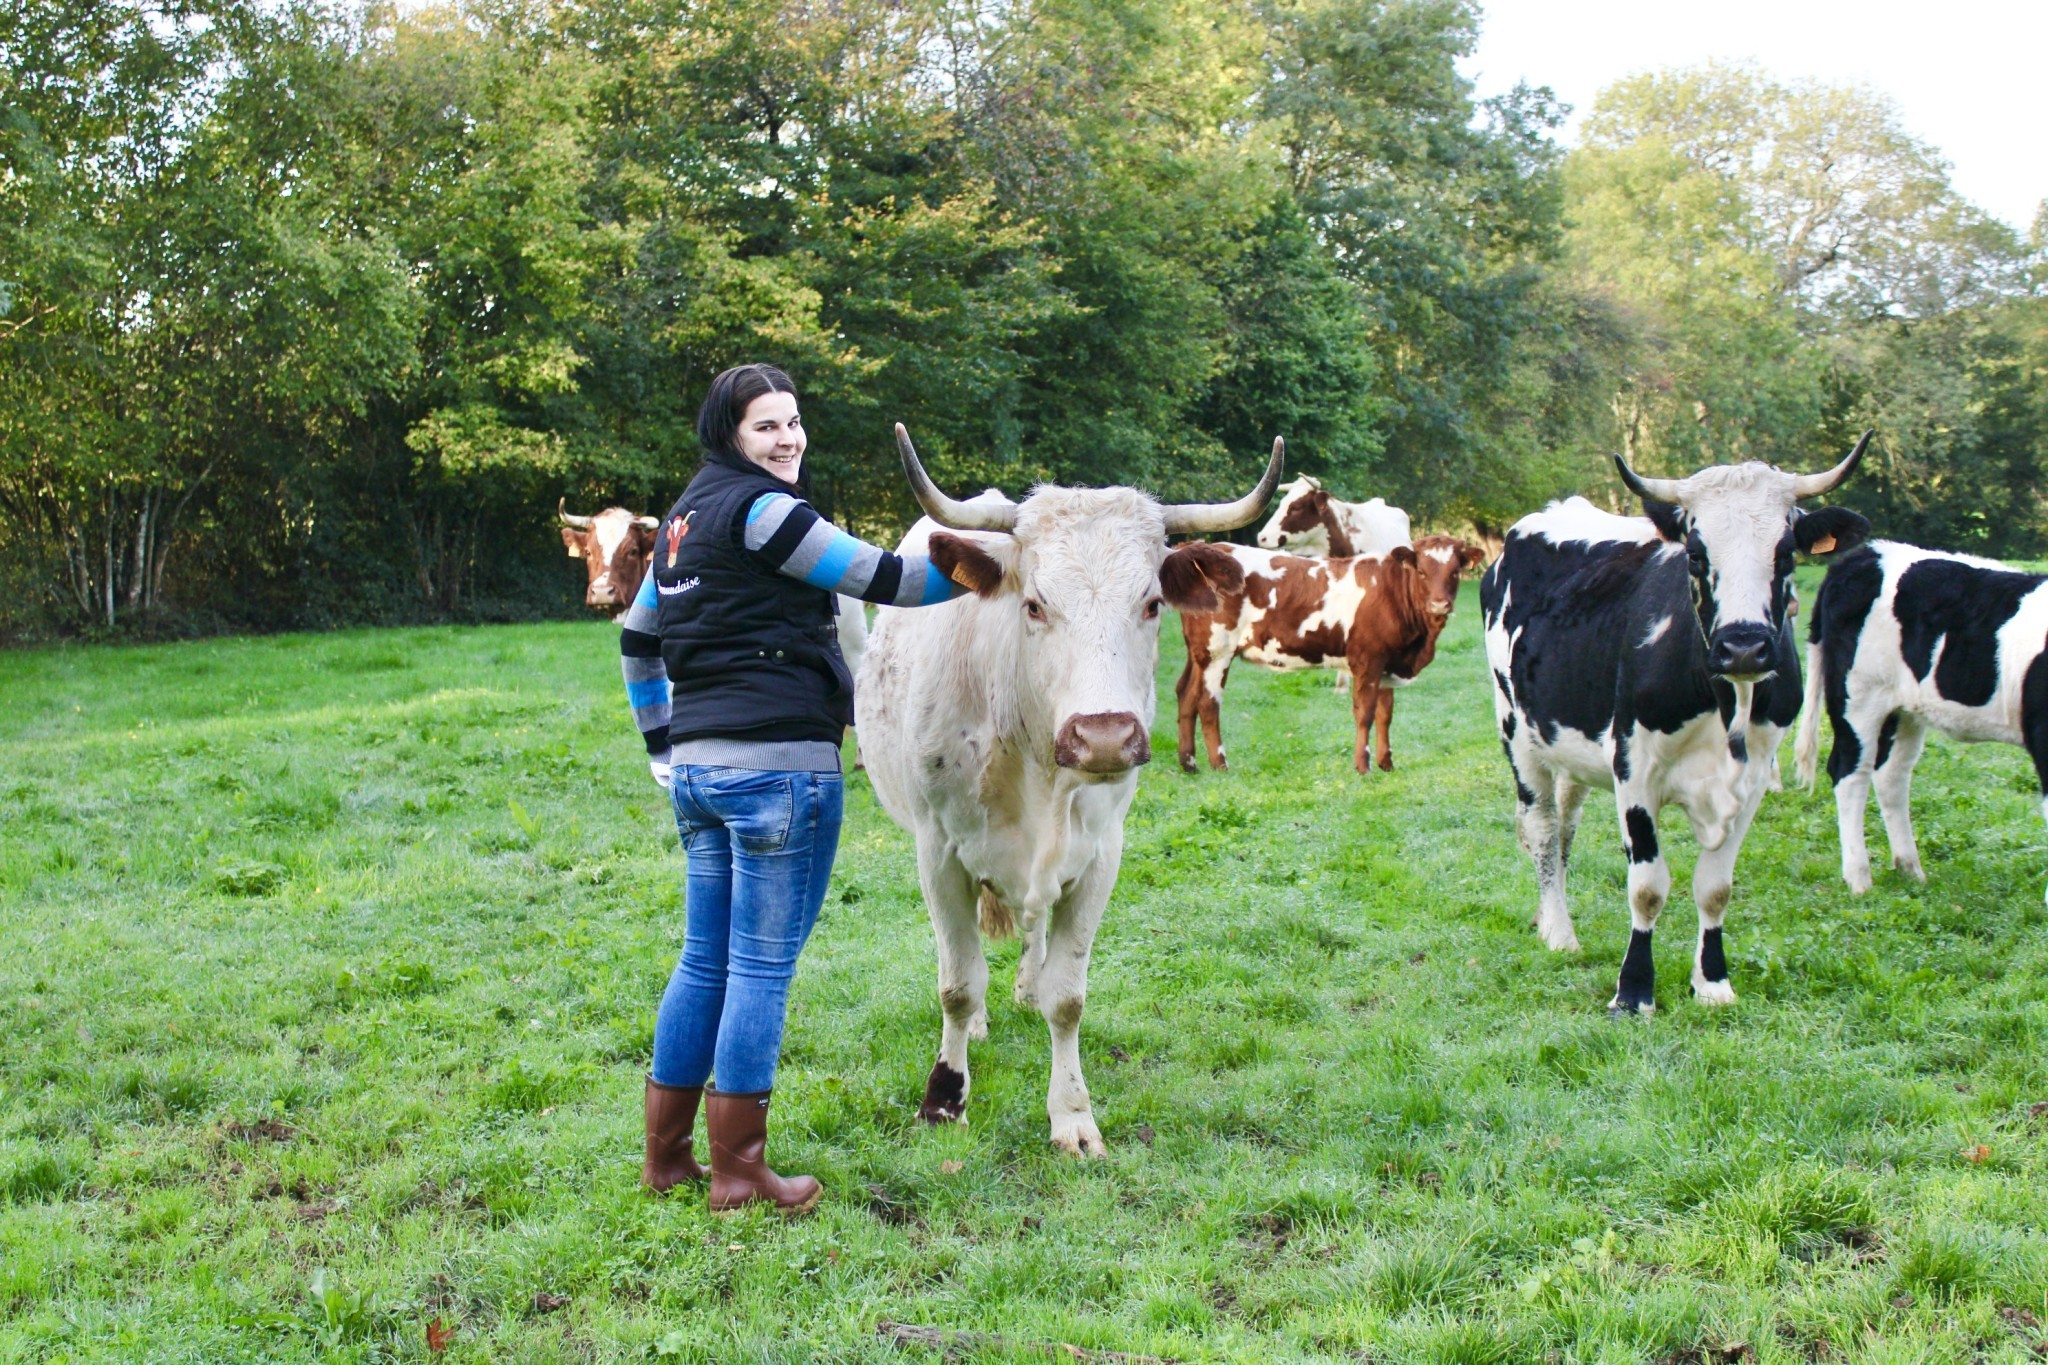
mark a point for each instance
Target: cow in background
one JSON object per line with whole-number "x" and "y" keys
{"x": 1005, "y": 730}
{"x": 1309, "y": 521}
{"x": 614, "y": 546}
{"x": 1654, "y": 655}
{"x": 1903, "y": 641}
{"x": 1376, "y": 616}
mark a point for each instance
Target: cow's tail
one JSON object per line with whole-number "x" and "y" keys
{"x": 996, "y": 920}
{"x": 1806, "y": 750}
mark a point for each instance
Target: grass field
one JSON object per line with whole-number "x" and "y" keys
{"x": 328, "y": 967}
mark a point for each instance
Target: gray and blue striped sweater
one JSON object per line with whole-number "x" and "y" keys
{"x": 797, "y": 542}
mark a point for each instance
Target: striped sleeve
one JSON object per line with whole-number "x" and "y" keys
{"x": 799, "y": 542}
{"x": 646, "y": 676}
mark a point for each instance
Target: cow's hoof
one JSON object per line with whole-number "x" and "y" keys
{"x": 1560, "y": 938}
{"x": 1077, "y": 1135}
{"x": 1858, "y": 880}
{"x": 1187, "y": 764}
{"x": 1622, "y": 1007}
{"x": 1387, "y": 764}
{"x": 1712, "y": 992}
{"x": 977, "y": 1027}
{"x": 945, "y": 1096}
{"x": 1911, "y": 867}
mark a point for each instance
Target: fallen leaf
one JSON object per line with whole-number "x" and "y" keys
{"x": 952, "y": 1167}
{"x": 1979, "y": 1153}
{"x": 544, "y": 1302}
{"x": 438, "y": 1336}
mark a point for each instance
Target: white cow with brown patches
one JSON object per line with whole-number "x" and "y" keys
{"x": 1005, "y": 731}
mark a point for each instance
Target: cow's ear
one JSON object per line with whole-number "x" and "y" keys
{"x": 572, "y": 541}
{"x": 1667, "y": 518}
{"x": 643, "y": 534}
{"x": 971, "y": 564}
{"x": 1830, "y": 530}
{"x": 1196, "y": 576}
{"x": 1469, "y": 555}
{"x": 1403, "y": 554}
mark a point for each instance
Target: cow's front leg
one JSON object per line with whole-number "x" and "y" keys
{"x": 1383, "y": 752}
{"x": 1649, "y": 886}
{"x": 1713, "y": 881}
{"x": 1187, "y": 695}
{"x": 1063, "y": 994}
{"x": 951, "y": 895}
{"x": 1894, "y": 783}
{"x": 1365, "y": 705}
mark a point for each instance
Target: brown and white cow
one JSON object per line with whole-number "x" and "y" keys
{"x": 1005, "y": 730}
{"x": 614, "y": 546}
{"x": 1377, "y": 616}
{"x": 1309, "y": 520}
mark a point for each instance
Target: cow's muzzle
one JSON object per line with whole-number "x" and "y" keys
{"x": 1743, "y": 652}
{"x": 1105, "y": 742}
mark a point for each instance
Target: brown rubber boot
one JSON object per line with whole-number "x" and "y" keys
{"x": 671, "y": 1114}
{"x": 738, "y": 1126}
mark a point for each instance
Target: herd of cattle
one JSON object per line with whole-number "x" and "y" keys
{"x": 1652, "y": 655}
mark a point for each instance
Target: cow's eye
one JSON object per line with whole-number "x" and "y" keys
{"x": 1152, "y": 609}
{"x": 1034, "y": 609}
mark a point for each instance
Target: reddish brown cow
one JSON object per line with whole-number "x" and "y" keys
{"x": 614, "y": 546}
{"x": 1377, "y": 616}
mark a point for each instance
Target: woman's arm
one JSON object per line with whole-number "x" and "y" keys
{"x": 802, "y": 544}
{"x": 647, "y": 689}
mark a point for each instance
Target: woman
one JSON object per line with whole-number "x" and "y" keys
{"x": 737, "y": 684}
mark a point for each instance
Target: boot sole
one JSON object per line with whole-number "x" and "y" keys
{"x": 786, "y": 1210}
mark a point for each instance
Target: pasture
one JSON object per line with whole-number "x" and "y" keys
{"x": 328, "y": 968}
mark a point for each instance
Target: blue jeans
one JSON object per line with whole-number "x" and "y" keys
{"x": 760, "y": 847}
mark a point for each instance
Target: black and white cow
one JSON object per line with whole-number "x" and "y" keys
{"x": 1903, "y": 641}
{"x": 1654, "y": 655}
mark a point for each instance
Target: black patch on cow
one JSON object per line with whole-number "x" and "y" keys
{"x": 1526, "y": 797}
{"x": 1507, "y": 727}
{"x": 1961, "y": 607}
{"x": 1888, "y": 732}
{"x": 1713, "y": 962}
{"x": 1840, "y": 610}
{"x": 1665, "y": 516}
{"x": 1621, "y": 757}
{"x": 2034, "y": 717}
{"x": 1501, "y": 683}
{"x": 945, "y": 1095}
{"x": 1642, "y": 835}
{"x": 1738, "y": 747}
{"x": 1637, "y": 989}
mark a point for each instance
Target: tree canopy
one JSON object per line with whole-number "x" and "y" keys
{"x": 309, "y": 313}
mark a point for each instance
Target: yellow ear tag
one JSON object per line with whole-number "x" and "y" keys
{"x": 959, "y": 575}
{"x": 1821, "y": 546}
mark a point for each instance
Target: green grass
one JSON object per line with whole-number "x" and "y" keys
{"x": 328, "y": 968}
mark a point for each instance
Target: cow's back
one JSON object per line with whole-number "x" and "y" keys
{"x": 1377, "y": 527}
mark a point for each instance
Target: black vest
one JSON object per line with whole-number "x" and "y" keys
{"x": 752, "y": 653}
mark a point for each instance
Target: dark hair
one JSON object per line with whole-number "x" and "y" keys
{"x": 718, "y": 421}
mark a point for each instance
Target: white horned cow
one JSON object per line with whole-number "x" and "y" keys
{"x": 1654, "y": 655}
{"x": 1309, "y": 520}
{"x": 1903, "y": 641}
{"x": 1005, "y": 730}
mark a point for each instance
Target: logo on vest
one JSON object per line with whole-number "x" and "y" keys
{"x": 676, "y": 589}
{"x": 677, "y": 529}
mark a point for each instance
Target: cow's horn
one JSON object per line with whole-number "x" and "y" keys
{"x": 650, "y": 523}
{"x": 946, "y": 511}
{"x": 1191, "y": 518}
{"x": 1660, "y": 490}
{"x": 1813, "y": 485}
{"x": 570, "y": 518}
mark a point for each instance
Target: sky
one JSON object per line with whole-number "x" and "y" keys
{"x": 1966, "y": 74}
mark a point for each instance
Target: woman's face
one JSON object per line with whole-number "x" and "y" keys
{"x": 772, "y": 435}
